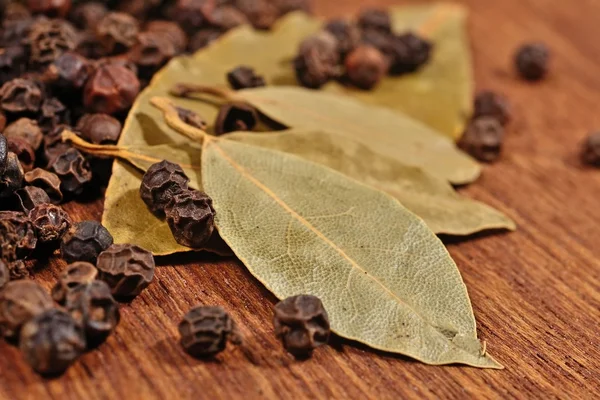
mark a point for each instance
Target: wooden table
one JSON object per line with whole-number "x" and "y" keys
{"x": 536, "y": 292}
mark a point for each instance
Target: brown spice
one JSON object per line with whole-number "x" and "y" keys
{"x": 20, "y": 301}
{"x": 85, "y": 241}
{"x": 190, "y": 216}
{"x": 127, "y": 269}
{"x": 77, "y": 274}
{"x": 205, "y": 331}
{"x": 483, "y": 139}
{"x": 47, "y": 181}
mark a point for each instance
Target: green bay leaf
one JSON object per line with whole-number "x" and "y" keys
{"x": 300, "y": 228}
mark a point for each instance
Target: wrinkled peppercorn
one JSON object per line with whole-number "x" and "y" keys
{"x": 68, "y": 72}
{"x": 18, "y": 270}
{"x": 47, "y": 181}
{"x": 111, "y": 89}
{"x": 53, "y": 144}
{"x": 126, "y": 268}
{"x": 25, "y": 153}
{"x": 262, "y": 14}
{"x": 11, "y": 178}
{"x": 79, "y": 273}
{"x": 88, "y": 15}
{"x": 93, "y": 307}
{"x": 30, "y": 196}
{"x": 171, "y": 31}
{"x": 490, "y": 104}
{"x": 13, "y": 62}
{"x": 190, "y": 216}
{"x": 73, "y": 170}
{"x": 151, "y": 51}
{"x": 590, "y": 153}
{"x": 531, "y": 61}
{"x": 317, "y": 61}
{"x": 53, "y": 113}
{"x": 50, "y": 8}
{"x": 302, "y": 324}
{"x": 51, "y": 342}
{"x": 21, "y": 301}
{"x": 347, "y": 35}
{"x": 191, "y": 14}
{"x": 84, "y": 241}
{"x": 99, "y": 128}
{"x": 17, "y": 235}
{"x": 21, "y": 95}
{"x": 203, "y": 38}
{"x": 375, "y": 19}
{"x": 89, "y": 46}
{"x": 409, "y": 52}
{"x": 483, "y": 139}
{"x": 51, "y": 222}
{"x": 191, "y": 118}
{"x": 226, "y": 17}
{"x": 205, "y": 331}
{"x": 4, "y": 275}
{"x": 117, "y": 31}
{"x": 27, "y": 129}
{"x": 49, "y": 38}
{"x": 244, "y": 77}
{"x": 236, "y": 117}
{"x": 365, "y": 67}
{"x": 160, "y": 183}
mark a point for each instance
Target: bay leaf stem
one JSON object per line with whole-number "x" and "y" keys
{"x": 190, "y": 89}
{"x": 174, "y": 121}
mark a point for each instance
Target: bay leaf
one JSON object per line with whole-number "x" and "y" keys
{"x": 300, "y": 228}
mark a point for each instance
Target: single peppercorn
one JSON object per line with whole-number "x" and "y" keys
{"x": 68, "y": 72}
{"x": 483, "y": 139}
{"x": 30, "y": 196}
{"x": 88, "y": 15}
{"x": 20, "y": 301}
{"x": 244, "y": 77}
{"x": 205, "y": 331}
{"x": 4, "y": 275}
{"x": 47, "y": 181}
{"x": 93, "y": 307}
{"x": 11, "y": 178}
{"x": 73, "y": 170}
{"x": 317, "y": 60}
{"x": 50, "y": 8}
{"x": 236, "y": 117}
{"x": 25, "y": 153}
{"x": 51, "y": 342}
{"x": 51, "y": 222}
{"x": 99, "y": 128}
{"x": 49, "y": 38}
{"x": 111, "y": 89}
{"x": 191, "y": 118}
{"x": 375, "y": 19}
{"x": 226, "y": 17}
{"x": 53, "y": 144}
{"x": 26, "y": 129}
{"x": 77, "y": 274}
{"x": 531, "y": 61}
{"x": 590, "y": 153}
{"x": 190, "y": 216}
{"x": 365, "y": 67}
{"x": 302, "y": 324}
{"x": 117, "y": 31}
{"x": 160, "y": 183}
{"x": 21, "y": 95}
{"x": 203, "y": 38}
{"x": 191, "y": 14}
{"x": 490, "y": 104}
{"x": 409, "y": 53}
{"x": 126, "y": 268}
{"x": 347, "y": 34}
{"x": 17, "y": 235}
{"x": 151, "y": 51}
{"x": 53, "y": 113}
{"x": 171, "y": 31}
{"x": 85, "y": 241}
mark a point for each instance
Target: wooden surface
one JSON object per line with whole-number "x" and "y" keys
{"x": 536, "y": 292}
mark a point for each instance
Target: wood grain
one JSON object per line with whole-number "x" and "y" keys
{"x": 536, "y": 292}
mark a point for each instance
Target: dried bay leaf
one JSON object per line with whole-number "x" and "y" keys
{"x": 385, "y": 279}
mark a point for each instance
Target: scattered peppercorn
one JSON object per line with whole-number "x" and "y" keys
{"x": 20, "y": 95}
{"x": 4, "y": 275}
{"x": 409, "y": 53}
{"x": 160, "y": 183}
{"x": 53, "y": 113}
{"x": 50, "y": 8}
{"x": 26, "y": 129}
{"x": 73, "y": 169}
{"x": 11, "y": 178}
{"x": 25, "y": 153}
{"x": 111, "y": 89}
{"x": 88, "y": 15}
{"x": 317, "y": 61}
{"x": 375, "y": 19}
{"x": 47, "y": 181}
{"x": 302, "y": 324}
{"x": 483, "y": 139}
{"x": 262, "y": 14}
{"x": 77, "y": 274}
{"x": 68, "y": 72}
{"x": 590, "y": 153}
{"x": 226, "y": 17}
{"x": 49, "y": 38}
{"x": 347, "y": 35}
{"x": 51, "y": 342}
{"x": 531, "y": 61}
{"x": 50, "y": 221}
{"x": 171, "y": 31}
{"x": 29, "y": 197}
{"x": 85, "y": 241}
{"x": 236, "y": 117}
{"x": 244, "y": 77}
{"x": 190, "y": 216}
{"x": 126, "y": 268}
{"x": 99, "y": 128}
{"x": 365, "y": 67}
{"x": 191, "y": 14}
{"x": 491, "y": 104}
{"x": 191, "y": 118}
{"x": 17, "y": 235}
{"x": 205, "y": 331}
{"x": 117, "y": 32}
{"x": 21, "y": 301}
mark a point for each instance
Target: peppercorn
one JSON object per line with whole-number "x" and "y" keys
{"x": 93, "y": 307}
{"x": 236, "y": 117}
{"x": 14, "y": 11}
{"x": 191, "y": 118}
{"x": 20, "y": 301}
{"x": 590, "y": 153}
{"x": 127, "y": 269}
{"x": 244, "y": 77}
{"x": 73, "y": 170}
{"x": 409, "y": 53}
{"x": 191, "y": 14}
{"x": 51, "y": 342}
{"x": 375, "y": 19}
{"x": 77, "y": 274}
{"x": 47, "y": 181}
{"x": 171, "y": 31}
{"x": 50, "y": 221}
{"x": 203, "y": 38}
{"x": 190, "y": 216}
{"x": 53, "y": 113}
{"x": 11, "y": 178}
{"x": 365, "y": 67}
{"x": 53, "y": 144}
{"x": 490, "y": 104}
{"x": 24, "y": 152}
{"x": 68, "y": 72}
{"x": 49, "y": 38}
{"x": 18, "y": 270}
{"x": 531, "y": 61}
{"x": 483, "y": 139}
{"x": 88, "y": 15}
{"x": 27, "y": 129}
{"x": 317, "y": 61}
{"x": 160, "y": 183}
{"x": 302, "y": 324}
{"x": 89, "y": 46}
{"x": 17, "y": 235}
{"x": 226, "y": 17}
{"x": 262, "y": 14}
{"x": 30, "y": 196}
{"x": 4, "y": 275}
{"x": 205, "y": 331}
{"x": 20, "y": 95}
{"x": 99, "y": 128}
{"x": 111, "y": 89}
{"x": 117, "y": 31}
{"x": 85, "y": 241}
{"x": 347, "y": 34}
{"x": 151, "y": 51}
{"x": 50, "y": 8}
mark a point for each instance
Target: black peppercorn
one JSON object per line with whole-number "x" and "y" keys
{"x": 47, "y": 181}
{"x": 191, "y": 14}
{"x": 26, "y": 129}
{"x": 317, "y": 61}
{"x": 25, "y": 153}
{"x": 191, "y": 118}
{"x": 590, "y": 153}
{"x": 409, "y": 53}
{"x": 53, "y": 114}
{"x": 126, "y": 268}
{"x": 111, "y": 89}
{"x": 490, "y": 104}
{"x": 171, "y": 31}
{"x": 17, "y": 235}
{"x": 53, "y": 144}
{"x": 30, "y": 196}
{"x": 160, "y": 183}
{"x": 99, "y": 128}
{"x": 73, "y": 170}
{"x": 375, "y": 19}
{"x": 20, "y": 301}
{"x": 206, "y": 330}
{"x": 532, "y": 61}
{"x": 11, "y": 178}
{"x": 51, "y": 342}
{"x": 190, "y": 216}
{"x": 85, "y": 241}
{"x": 79, "y": 273}
{"x": 151, "y": 51}
{"x": 117, "y": 31}
{"x": 347, "y": 35}
{"x": 51, "y": 222}
{"x": 18, "y": 270}
{"x": 49, "y": 38}
{"x": 483, "y": 139}
{"x": 4, "y": 274}
{"x": 226, "y": 17}
{"x": 50, "y": 8}
{"x": 302, "y": 324}
{"x": 365, "y": 67}
{"x": 21, "y": 95}
{"x": 68, "y": 72}
{"x": 236, "y": 117}
{"x": 244, "y": 77}
{"x": 262, "y": 14}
